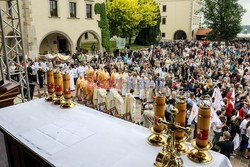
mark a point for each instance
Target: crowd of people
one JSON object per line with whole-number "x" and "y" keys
{"x": 130, "y": 80}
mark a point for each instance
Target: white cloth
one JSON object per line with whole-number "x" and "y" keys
{"x": 109, "y": 134}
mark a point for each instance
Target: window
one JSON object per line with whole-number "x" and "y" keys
{"x": 164, "y": 8}
{"x": 72, "y": 9}
{"x": 89, "y": 10}
{"x": 163, "y": 20}
{"x": 53, "y": 8}
{"x": 86, "y": 35}
{"x": 163, "y": 35}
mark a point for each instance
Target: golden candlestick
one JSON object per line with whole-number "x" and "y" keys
{"x": 180, "y": 136}
{"x": 50, "y": 94}
{"x": 66, "y": 102}
{"x": 58, "y": 88}
{"x": 158, "y": 138}
{"x": 201, "y": 145}
{"x": 167, "y": 157}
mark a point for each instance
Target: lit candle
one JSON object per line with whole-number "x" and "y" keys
{"x": 58, "y": 84}
{"x": 181, "y": 105}
{"x": 159, "y": 111}
{"x": 203, "y": 125}
{"x": 50, "y": 81}
{"x": 66, "y": 86}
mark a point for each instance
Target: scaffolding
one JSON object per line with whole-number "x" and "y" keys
{"x": 12, "y": 57}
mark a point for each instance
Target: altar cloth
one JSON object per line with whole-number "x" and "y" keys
{"x": 98, "y": 139}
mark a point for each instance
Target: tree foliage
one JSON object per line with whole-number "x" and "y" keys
{"x": 148, "y": 36}
{"x": 224, "y": 17}
{"x": 100, "y": 8}
{"x": 128, "y": 17}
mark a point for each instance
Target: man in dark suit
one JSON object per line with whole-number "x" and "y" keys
{"x": 226, "y": 146}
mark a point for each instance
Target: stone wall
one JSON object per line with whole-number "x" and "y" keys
{"x": 29, "y": 31}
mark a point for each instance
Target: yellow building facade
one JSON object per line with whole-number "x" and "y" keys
{"x": 180, "y": 19}
{"x": 51, "y": 26}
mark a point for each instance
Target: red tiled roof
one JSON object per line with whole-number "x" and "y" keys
{"x": 203, "y": 31}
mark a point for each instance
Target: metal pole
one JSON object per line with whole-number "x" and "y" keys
{"x": 24, "y": 58}
{"x": 4, "y": 46}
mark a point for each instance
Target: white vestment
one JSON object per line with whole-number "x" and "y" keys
{"x": 142, "y": 95}
{"x": 124, "y": 86}
{"x": 148, "y": 116}
{"x": 81, "y": 71}
{"x": 150, "y": 93}
{"x": 130, "y": 104}
{"x": 137, "y": 87}
{"x": 110, "y": 102}
{"x": 95, "y": 96}
{"x": 102, "y": 94}
{"x": 120, "y": 104}
{"x": 72, "y": 84}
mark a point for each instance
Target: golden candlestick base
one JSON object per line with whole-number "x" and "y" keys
{"x": 200, "y": 155}
{"x": 49, "y": 96}
{"x": 180, "y": 145}
{"x": 164, "y": 159}
{"x": 157, "y": 139}
{"x": 67, "y": 103}
{"x": 57, "y": 100}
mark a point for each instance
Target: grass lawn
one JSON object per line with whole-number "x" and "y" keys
{"x": 113, "y": 46}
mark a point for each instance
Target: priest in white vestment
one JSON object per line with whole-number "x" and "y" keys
{"x": 95, "y": 96}
{"x": 137, "y": 86}
{"x": 148, "y": 116}
{"x": 130, "y": 104}
{"x": 142, "y": 95}
{"x": 120, "y": 104}
{"x": 110, "y": 100}
{"x": 72, "y": 83}
{"x": 102, "y": 94}
{"x": 150, "y": 90}
{"x": 124, "y": 83}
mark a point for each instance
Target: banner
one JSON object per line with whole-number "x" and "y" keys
{"x": 120, "y": 43}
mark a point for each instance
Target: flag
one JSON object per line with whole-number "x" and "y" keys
{"x": 193, "y": 114}
{"x": 214, "y": 116}
{"x": 217, "y": 99}
{"x": 236, "y": 141}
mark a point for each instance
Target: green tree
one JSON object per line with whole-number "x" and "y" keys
{"x": 148, "y": 36}
{"x": 224, "y": 17}
{"x": 100, "y": 8}
{"x": 128, "y": 17}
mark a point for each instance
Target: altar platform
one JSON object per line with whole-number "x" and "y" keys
{"x": 41, "y": 134}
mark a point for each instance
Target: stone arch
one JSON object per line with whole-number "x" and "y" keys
{"x": 97, "y": 40}
{"x": 56, "y": 41}
{"x": 180, "y": 35}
